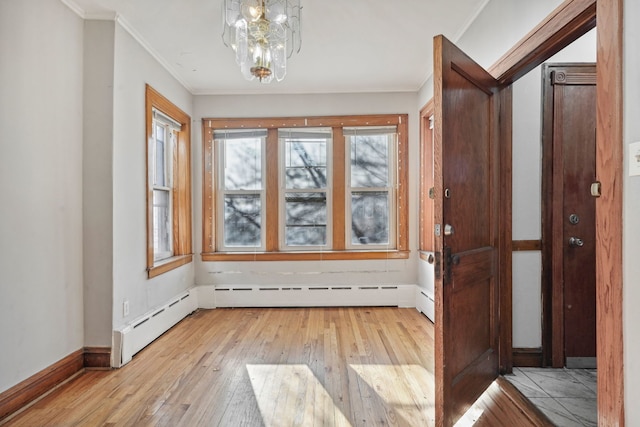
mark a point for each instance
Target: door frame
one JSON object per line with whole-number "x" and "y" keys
{"x": 569, "y": 21}
{"x": 553, "y": 333}
{"x": 572, "y": 19}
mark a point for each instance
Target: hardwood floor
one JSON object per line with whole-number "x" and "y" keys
{"x": 266, "y": 367}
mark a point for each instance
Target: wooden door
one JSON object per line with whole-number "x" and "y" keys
{"x": 466, "y": 119}
{"x": 569, "y": 126}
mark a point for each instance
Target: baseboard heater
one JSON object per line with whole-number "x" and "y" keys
{"x": 315, "y": 296}
{"x": 142, "y": 331}
{"x": 425, "y": 303}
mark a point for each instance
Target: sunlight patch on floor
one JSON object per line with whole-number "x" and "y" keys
{"x": 405, "y": 389}
{"x": 292, "y": 395}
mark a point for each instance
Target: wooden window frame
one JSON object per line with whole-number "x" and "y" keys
{"x": 339, "y": 249}
{"x": 180, "y": 185}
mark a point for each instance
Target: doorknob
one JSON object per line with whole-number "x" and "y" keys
{"x": 448, "y": 229}
{"x": 575, "y": 242}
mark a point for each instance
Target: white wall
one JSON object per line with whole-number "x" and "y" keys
{"x": 97, "y": 182}
{"x": 41, "y": 295}
{"x": 133, "y": 67}
{"x": 631, "y": 219}
{"x": 496, "y": 30}
{"x": 309, "y": 272}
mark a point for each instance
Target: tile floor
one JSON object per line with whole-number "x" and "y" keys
{"x": 566, "y": 396}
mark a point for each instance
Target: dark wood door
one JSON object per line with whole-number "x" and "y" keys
{"x": 571, "y": 94}
{"x": 466, "y": 113}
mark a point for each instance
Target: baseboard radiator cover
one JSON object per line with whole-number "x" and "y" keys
{"x": 308, "y": 296}
{"x": 135, "y": 336}
{"x": 425, "y": 303}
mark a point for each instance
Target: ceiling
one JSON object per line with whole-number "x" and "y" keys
{"x": 347, "y": 45}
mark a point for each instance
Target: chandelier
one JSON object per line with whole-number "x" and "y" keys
{"x": 263, "y": 34}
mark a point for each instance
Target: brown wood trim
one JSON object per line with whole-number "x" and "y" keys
{"x": 35, "y": 386}
{"x": 528, "y": 409}
{"x": 314, "y": 121}
{"x": 556, "y": 227}
{"x": 272, "y": 211}
{"x": 547, "y": 216}
{"x": 97, "y": 357}
{"x": 569, "y": 21}
{"x": 208, "y": 193}
{"x": 182, "y": 192}
{"x": 573, "y": 78}
{"x": 527, "y": 357}
{"x": 304, "y": 256}
{"x": 426, "y": 223}
{"x": 609, "y": 232}
{"x": 339, "y": 197}
{"x": 173, "y": 262}
{"x": 402, "y": 223}
{"x": 526, "y": 245}
{"x": 505, "y": 248}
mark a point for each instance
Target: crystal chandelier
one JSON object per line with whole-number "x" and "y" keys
{"x": 263, "y": 34}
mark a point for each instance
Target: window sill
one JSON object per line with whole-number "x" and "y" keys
{"x": 168, "y": 264}
{"x": 304, "y": 256}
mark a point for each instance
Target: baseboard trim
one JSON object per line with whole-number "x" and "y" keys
{"x": 38, "y": 384}
{"x": 527, "y": 357}
{"x": 97, "y": 357}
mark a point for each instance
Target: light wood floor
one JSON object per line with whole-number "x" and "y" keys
{"x": 265, "y": 367}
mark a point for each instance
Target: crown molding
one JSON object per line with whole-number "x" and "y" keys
{"x": 74, "y": 7}
{"x": 146, "y": 46}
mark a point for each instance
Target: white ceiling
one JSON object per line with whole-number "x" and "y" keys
{"x": 347, "y": 45}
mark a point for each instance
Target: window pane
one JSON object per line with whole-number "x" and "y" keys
{"x": 306, "y": 164}
{"x": 306, "y": 216}
{"x": 370, "y": 161}
{"x": 161, "y": 222}
{"x": 243, "y": 164}
{"x": 242, "y": 220}
{"x": 370, "y": 218}
{"x": 159, "y": 174}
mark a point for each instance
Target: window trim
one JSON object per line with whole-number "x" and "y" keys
{"x": 338, "y": 205}
{"x": 427, "y": 236}
{"x": 180, "y": 185}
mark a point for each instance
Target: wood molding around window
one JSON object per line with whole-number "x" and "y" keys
{"x": 338, "y": 251}
{"x": 426, "y": 220}
{"x": 181, "y": 224}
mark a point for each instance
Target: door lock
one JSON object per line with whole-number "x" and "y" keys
{"x": 574, "y": 219}
{"x": 575, "y": 242}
